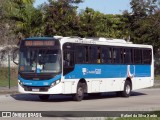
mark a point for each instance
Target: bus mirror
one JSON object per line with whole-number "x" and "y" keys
{"x": 16, "y": 56}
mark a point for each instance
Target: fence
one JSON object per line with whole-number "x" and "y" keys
{"x": 8, "y": 77}
{"x": 8, "y": 70}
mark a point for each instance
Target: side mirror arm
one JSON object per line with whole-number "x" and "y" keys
{"x": 14, "y": 55}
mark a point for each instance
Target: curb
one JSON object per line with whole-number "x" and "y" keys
{"x": 6, "y": 90}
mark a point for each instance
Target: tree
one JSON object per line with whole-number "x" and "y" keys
{"x": 96, "y": 24}
{"x": 24, "y": 1}
{"x": 7, "y": 38}
{"x": 27, "y": 18}
{"x": 88, "y": 23}
{"x": 61, "y": 18}
{"x": 141, "y": 22}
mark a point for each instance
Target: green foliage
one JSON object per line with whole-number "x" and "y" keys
{"x": 28, "y": 19}
{"x": 96, "y": 24}
{"x": 5, "y": 24}
{"x": 19, "y": 18}
{"x": 143, "y": 25}
{"x": 143, "y": 22}
{"x": 88, "y": 23}
{"x": 60, "y": 18}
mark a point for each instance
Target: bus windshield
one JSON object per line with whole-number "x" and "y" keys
{"x": 40, "y": 60}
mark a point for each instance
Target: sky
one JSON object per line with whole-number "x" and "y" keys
{"x": 104, "y": 6}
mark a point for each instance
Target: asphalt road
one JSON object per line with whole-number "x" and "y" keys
{"x": 140, "y": 100}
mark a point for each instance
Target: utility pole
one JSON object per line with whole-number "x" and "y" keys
{"x": 9, "y": 72}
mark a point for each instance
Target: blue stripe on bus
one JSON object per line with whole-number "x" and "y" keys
{"x": 95, "y": 71}
{"x": 108, "y": 71}
{"x": 39, "y": 82}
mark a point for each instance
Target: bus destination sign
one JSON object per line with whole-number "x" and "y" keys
{"x": 39, "y": 43}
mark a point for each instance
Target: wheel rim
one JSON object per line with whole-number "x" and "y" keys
{"x": 128, "y": 89}
{"x": 80, "y": 92}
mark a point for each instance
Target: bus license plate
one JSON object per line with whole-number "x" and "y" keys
{"x": 35, "y": 89}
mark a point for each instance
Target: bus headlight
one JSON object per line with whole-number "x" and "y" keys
{"x": 20, "y": 83}
{"x": 58, "y": 81}
{"x": 55, "y": 83}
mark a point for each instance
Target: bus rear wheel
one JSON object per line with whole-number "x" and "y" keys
{"x": 44, "y": 97}
{"x": 80, "y": 92}
{"x": 127, "y": 89}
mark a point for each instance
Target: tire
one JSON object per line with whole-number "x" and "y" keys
{"x": 127, "y": 89}
{"x": 44, "y": 97}
{"x": 80, "y": 92}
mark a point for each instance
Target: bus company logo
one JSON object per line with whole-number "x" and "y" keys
{"x": 20, "y": 114}
{"x": 98, "y": 71}
{"x": 85, "y": 71}
{"x": 6, "y": 114}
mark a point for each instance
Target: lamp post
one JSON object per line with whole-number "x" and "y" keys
{"x": 9, "y": 72}
{"x": 9, "y": 83}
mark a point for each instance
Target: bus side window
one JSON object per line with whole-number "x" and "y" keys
{"x": 93, "y": 54}
{"x": 147, "y": 56}
{"x": 80, "y": 57}
{"x": 86, "y": 54}
{"x": 117, "y": 55}
{"x": 138, "y": 56}
{"x": 98, "y": 55}
{"x": 132, "y": 55}
{"x": 113, "y": 55}
{"x": 127, "y": 58}
{"x": 110, "y": 55}
{"x": 68, "y": 56}
{"x": 122, "y": 55}
{"x": 105, "y": 56}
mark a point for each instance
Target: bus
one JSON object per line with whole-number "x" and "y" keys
{"x": 79, "y": 66}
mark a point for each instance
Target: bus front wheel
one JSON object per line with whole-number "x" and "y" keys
{"x": 44, "y": 97}
{"x": 80, "y": 92}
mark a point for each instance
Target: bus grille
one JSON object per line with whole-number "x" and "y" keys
{"x": 40, "y": 89}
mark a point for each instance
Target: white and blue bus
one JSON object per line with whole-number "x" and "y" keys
{"x": 73, "y": 65}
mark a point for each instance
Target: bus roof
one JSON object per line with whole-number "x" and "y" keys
{"x": 95, "y": 40}
{"x": 103, "y": 41}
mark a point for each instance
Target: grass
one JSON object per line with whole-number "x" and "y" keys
{"x": 4, "y": 79}
{"x": 157, "y": 77}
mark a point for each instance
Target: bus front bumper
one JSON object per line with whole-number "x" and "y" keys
{"x": 57, "y": 89}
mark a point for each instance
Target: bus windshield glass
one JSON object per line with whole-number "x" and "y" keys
{"x": 40, "y": 60}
